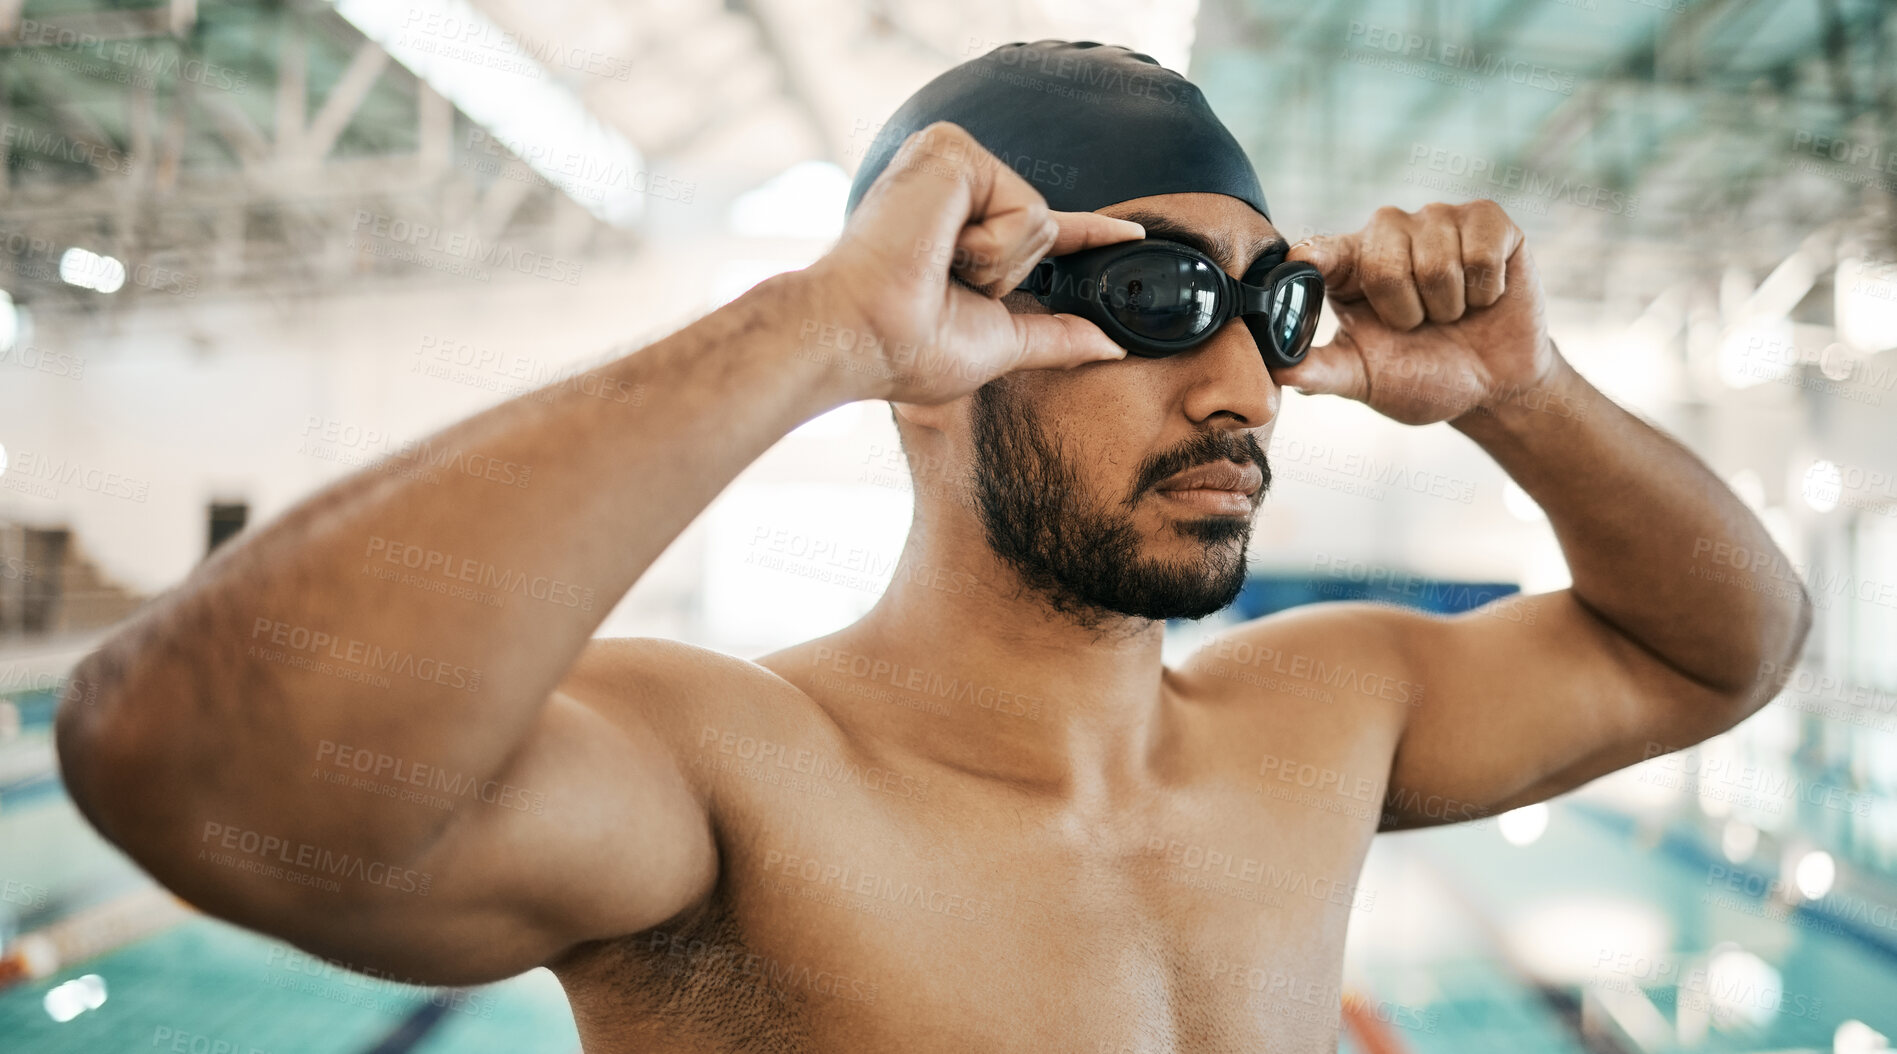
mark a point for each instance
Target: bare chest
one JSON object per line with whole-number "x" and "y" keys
{"x": 864, "y": 910}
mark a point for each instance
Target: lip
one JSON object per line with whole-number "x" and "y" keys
{"x": 1211, "y": 502}
{"x": 1228, "y": 477}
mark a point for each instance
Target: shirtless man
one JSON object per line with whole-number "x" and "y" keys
{"x": 986, "y": 816}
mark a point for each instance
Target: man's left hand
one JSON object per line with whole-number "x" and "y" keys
{"x": 1439, "y": 312}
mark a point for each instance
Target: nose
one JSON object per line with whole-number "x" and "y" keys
{"x": 1227, "y": 376}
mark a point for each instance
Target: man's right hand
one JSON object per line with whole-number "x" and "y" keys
{"x": 945, "y": 204}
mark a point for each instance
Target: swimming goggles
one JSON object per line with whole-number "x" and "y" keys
{"x": 1157, "y": 298}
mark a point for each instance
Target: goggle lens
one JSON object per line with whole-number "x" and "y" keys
{"x": 1294, "y": 307}
{"x": 1161, "y": 296}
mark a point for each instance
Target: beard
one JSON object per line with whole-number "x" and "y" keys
{"x": 1084, "y": 556}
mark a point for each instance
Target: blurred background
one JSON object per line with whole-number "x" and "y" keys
{"x": 248, "y": 247}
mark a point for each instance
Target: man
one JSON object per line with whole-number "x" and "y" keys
{"x": 985, "y": 817}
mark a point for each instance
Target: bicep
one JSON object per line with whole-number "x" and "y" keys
{"x": 1525, "y": 698}
{"x": 590, "y": 831}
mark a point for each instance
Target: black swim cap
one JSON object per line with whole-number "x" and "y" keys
{"x": 1088, "y": 125}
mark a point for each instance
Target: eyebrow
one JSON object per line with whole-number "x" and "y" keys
{"x": 1218, "y": 248}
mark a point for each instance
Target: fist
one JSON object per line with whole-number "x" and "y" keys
{"x": 1439, "y": 313}
{"x": 916, "y": 280}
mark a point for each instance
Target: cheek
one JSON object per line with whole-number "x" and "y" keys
{"x": 1104, "y": 434}
{"x": 1126, "y": 404}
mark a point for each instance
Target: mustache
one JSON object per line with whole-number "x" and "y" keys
{"x": 1203, "y": 448}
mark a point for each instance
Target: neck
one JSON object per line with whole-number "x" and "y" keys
{"x": 1017, "y": 691}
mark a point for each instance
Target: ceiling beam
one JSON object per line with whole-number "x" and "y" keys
{"x": 293, "y": 77}
{"x": 365, "y": 68}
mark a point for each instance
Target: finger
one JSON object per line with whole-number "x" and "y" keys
{"x": 1010, "y": 228}
{"x": 1086, "y": 230}
{"x": 1329, "y": 369}
{"x": 1060, "y": 340}
{"x": 1335, "y": 257}
{"x": 1073, "y": 231}
{"x": 915, "y": 210}
{"x": 995, "y": 255}
{"x": 1387, "y": 273}
{"x": 1520, "y": 273}
{"x": 1489, "y": 241}
{"x": 944, "y": 202}
{"x": 1436, "y": 260}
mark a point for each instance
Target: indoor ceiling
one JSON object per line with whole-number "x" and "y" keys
{"x": 243, "y": 142}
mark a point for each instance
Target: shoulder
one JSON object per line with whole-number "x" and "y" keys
{"x": 1351, "y": 656}
{"x": 621, "y": 665}
{"x": 694, "y": 699}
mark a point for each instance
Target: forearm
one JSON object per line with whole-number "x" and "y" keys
{"x": 1637, "y": 516}
{"x": 427, "y": 613}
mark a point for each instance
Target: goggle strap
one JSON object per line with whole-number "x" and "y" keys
{"x": 1039, "y": 281}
